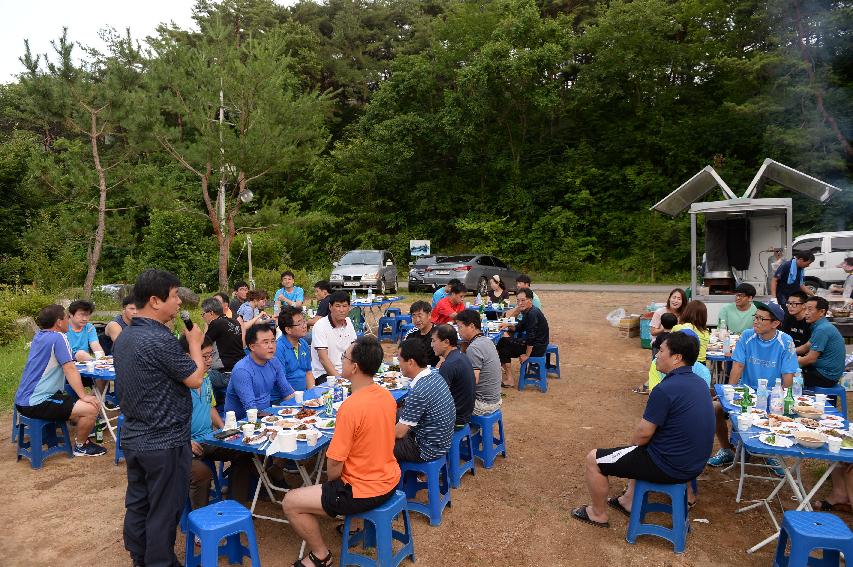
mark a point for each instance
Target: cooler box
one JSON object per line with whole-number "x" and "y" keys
{"x": 646, "y": 330}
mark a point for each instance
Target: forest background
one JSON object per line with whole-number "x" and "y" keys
{"x": 540, "y": 131}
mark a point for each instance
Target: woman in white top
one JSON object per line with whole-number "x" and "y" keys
{"x": 674, "y": 304}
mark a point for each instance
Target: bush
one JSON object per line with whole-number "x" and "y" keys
{"x": 27, "y": 302}
{"x": 9, "y": 330}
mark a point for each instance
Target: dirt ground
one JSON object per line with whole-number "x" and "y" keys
{"x": 71, "y": 511}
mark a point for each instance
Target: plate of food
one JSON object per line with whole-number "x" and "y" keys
{"x": 315, "y": 403}
{"x": 302, "y": 437}
{"x": 288, "y": 423}
{"x": 846, "y": 440}
{"x": 808, "y": 422}
{"x": 762, "y": 423}
{"x": 325, "y": 424}
{"x": 807, "y": 411}
{"x": 757, "y": 411}
{"x": 805, "y": 400}
{"x": 833, "y": 418}
{"x": 810, "y": 439}
{"x": 786, "y": 430}
{"x": 288, "y": 412}
{"x": 255, "y": 439}
{"x": 311, "y": 420}
{"x": 391, "y": 375}
{"x": 775, "y": 440}
{"x": 832, "y": 423}
{"x": 305, "y": 413}
{"x": 271, "y": 419}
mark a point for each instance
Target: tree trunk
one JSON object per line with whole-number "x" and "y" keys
{"x": 93, "y": 256}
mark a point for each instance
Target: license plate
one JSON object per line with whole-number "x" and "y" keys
{"x": 442, "y": 272}
{"x": 351, "y": 284}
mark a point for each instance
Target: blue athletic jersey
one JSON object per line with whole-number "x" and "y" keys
{"x": 765, "y": 359}
{"x": 43, "y": 375}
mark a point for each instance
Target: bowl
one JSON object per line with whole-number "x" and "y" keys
{"x": 810, "y": 439}
{"x": 808, "y": 411}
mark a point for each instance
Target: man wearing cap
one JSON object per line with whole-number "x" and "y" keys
{"x": 738, "y": 315}
{"x": 762, "y": 352}
{"x": 847, "y": 288}
{"x": 823, "y": 364}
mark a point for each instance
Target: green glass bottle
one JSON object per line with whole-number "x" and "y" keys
{"x": 788, "y": 403}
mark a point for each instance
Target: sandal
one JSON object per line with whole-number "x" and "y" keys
{"x": 616, "y": 505}
{"x": 340, "y": 529}
{"x": 827, "y": 506}
{"x": 327, "y": 562}
{"x": 582, "y": 515}
{"x": 643, "y": 390}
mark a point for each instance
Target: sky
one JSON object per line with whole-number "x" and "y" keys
{"x": 41, "y": 21}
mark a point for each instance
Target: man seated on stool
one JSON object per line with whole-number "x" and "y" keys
{"x": 456, "y": 370}
{"x": 795, "y": 324}
{"x": 762, "y": 352}
{"x": 292, "y": 350}
{"x": 483, "y": 354}
{"x": 83, "y": 339}
{"x": 532, "y": 336}
{"x": 738, "y": 315}
{"x": 425, "y": 428}
{"x": 203, "y": 420}
{"x": 253, "y": 378}
{"x": 360, "y": 465}
{"x": 447, "y": 308}
{"x": 420, "y": 312}
{"x": 41, "y": 394}
{"x": 823, "y": 364}
{"x": 671, "y": 442}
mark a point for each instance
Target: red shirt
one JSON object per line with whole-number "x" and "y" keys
{"x": 444, "y": 311}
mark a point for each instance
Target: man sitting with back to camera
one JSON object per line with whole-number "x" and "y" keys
{"x": 670, "y": 443}
{"x": 253, "y": 378}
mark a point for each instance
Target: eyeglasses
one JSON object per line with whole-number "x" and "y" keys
{"x": 343, "y": 356}
{"x": 299, "y": 324}
{"x": 793, "y": 303}
{"x": 760, "y": 318}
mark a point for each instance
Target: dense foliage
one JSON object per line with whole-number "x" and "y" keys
{"x": 540, "y": 131}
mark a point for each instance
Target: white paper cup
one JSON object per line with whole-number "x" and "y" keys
{"x": 729, "y": 395}
{"x": 90, "y": 366}
{"x": 820, "y": 402}
{"x": 288, "y": 441}
{"x": 744, "y": 422}
{"x": 248, "y": 429}
{"x": 834, "y": 443}
{"x": 230, "y": 420}
{"x": 313, "y": 437}
{"x": 299, "y": 396}
{"x": 252, "y": 415}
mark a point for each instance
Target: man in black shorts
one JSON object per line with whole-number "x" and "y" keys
{"x": 362, "y": 471}
{"x": 670, "y": 444}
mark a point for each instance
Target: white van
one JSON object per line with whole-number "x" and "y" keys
{"x": 829, "y": 249}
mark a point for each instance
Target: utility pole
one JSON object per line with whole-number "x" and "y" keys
{"x": 251, "y": 277}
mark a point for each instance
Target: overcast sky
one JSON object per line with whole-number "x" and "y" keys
{"x": 41, "y": 21}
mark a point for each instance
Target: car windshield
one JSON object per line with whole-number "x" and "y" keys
{"x": 365, "y": 257}
{"x": 463, "y": 259}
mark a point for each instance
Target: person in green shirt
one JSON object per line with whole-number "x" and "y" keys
{"x": 738, "y": 315}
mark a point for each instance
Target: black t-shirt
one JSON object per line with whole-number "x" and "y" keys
{"x": 323, "y": 307}
{"x": 799, "y": 330}
{"x": 432, "y": 358}
{"x": 459, "y": 375}
{"x": 228, "y": 338}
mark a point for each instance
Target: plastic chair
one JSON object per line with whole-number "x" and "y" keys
{"x": 387, "y": 329}
{"x": 839, "y": 392}
{"x": 119, "y": 453}
{"x": 486, "y": 445}
{"x": 401, "y": 321}
{"x": 460, "y": 457}
{"x": 379, "y": 532}
{"x": 13, "y": 437}
{"x": 437, "y": 486}
{"x": 393, "y": 312}
{"x": 552, "y": 368}
{"x": 641, "y": 506}
{"x": 226, "y": 519}
{"x": 813, "y": 530}
{"x": 537, "y": 376}
{"x": 403, "y": 330}
{"x": 34, "y": 434}
{"x": 185, "y": 515}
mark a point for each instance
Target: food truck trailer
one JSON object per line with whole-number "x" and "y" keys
{"x": 741, "y": 233}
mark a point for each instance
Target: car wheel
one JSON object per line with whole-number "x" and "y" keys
{"x": 482, "y": 286}
{"x": 382, "y": 287}
{"x": 393, "y": 287}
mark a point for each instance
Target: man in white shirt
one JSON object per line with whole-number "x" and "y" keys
{"x": 331, "y": 336}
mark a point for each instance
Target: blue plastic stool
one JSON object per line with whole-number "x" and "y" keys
{"x": 401, "y": 321}
{"x": 813, "y": 530}
{"x": 840, "y": 393}
{"x": 393, "y": 312}
{"x": 38, "y": 433}
{"x": 641, "y": 506}
{"x": 437, "y": 485}
{"x": 379, "y": 532}
{"x": 486, "y": 445}
{"x": 185, "y": 515}
{"x": 552, "y": 368}
{"x": 403, "y": 330}
{"x": 460, "y": 458}
{"x": 216, "y": 493}
{"x": 537, "y": 377}
{"x": 223, "y": 520}
{"x": 387, "y": 329}
{"x": 119, "y": 453}
{"x": 14, "y": 438}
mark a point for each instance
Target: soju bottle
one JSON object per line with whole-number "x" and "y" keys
{"x": 788, "y": 403}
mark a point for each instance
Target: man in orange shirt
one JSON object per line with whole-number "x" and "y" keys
{"x": 446, "y": 309}
{"x": 361, "y": 468}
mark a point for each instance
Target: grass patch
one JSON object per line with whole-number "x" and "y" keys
{"x": 12, "y": 359}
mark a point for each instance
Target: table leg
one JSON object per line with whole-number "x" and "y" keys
{"x": 101, "y": 400}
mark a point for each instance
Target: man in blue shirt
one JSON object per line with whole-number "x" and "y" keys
{"x": 671, "y": 442}
{"x": 288, "y": 295}
{"x": 40, "y": 394}
{"x": 823, "y": 364}
{"x": 82, "y": 335}
{"x": 253, "y": 378}
{"x": 292, "y": 350}
{"x": 762, "y": 352}
{"x": 789, "y": 277}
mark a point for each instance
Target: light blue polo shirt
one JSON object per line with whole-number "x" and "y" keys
{"x": 82, "y": 339}
{"x": 43, "y": 375}
{"x": 439, "y": 294}
{"x": 203, "y": 400}
{"x": 830, "y": 344}
{"x": 298, "y": 294}
{"x": 765, "y": 359}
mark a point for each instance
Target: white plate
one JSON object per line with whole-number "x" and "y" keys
{"x": 833, "y": 418}
{"x": 782, "y": 442}
{"x": 288, "y": 412}
{"x": 313, "y": 404}
{"x": 761, "y": 424}
{"x": 832, "y": 423}
{"x": 270, "y": 419}
{"x": 257, "y": 442}
{"x": 321, "y": 424}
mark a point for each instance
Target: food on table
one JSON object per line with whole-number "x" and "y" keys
{"x": 310, "y": 420}
{"x": 254, "y": 439}
{"x": 780, "y": 418}
{"x": 287, "y": 412}
{"x": 809, "y": 438}
{"x": 302, "y": 437}
{"x": 832, "y": 423}
{"x": 757, "y": 411}
{"x": 270, "y": 419}
{"x": 834, "y": 418}
{"x": 315, "y": 403}
{"x": 289, "y": 423}
{"x": 301, "y": 427}
{"x": 808, "y": 422}
{"x": 770, "y": 439}
{"x": 305, "y": 413}
{"x": 846, "y": 442}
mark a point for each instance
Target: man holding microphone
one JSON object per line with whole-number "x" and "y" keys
{"x": 154, "y": 393}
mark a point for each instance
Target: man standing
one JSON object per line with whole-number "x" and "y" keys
{"x": 484, "y": 359}
{"x": 456, "y": 370}
{"x": 118, "y": 324}
{"x": 362, "y": 472}
{"x": 331, "y": 337}
{"x": 738, "y": 315}
{"x": 762, "y": 352}
{"x": 227, "y": 336}
{"x": 446, "y": 309}
{"x": 790, "y": 277}
{"x": 823, "y": 364}
{"x": 41, "y": 394}
{"x": 846, "y": 288}
{"x": 531, "y": 336}
{"x": 288, "y": 294}
{"x": 255, "y": 376}
{"x": 241, "y": 290}
{"x": 420, "y": 312}
{"x": 425, "y": 428}
{"x": 671, "y": 442}
{"x": 292, "y": 350}
{"x": 795, "y": 324}
{"x": 154, "y": 391}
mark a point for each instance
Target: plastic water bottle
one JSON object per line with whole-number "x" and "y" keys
{"x": 761, "y": 398}
{"x": 798, "y": 383}
{"x": 776, "y": 400}
{"x": 725, "y": 338}
{"x": 353, "y": 297}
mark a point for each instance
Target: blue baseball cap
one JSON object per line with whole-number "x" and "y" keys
{"x": 772, "y": 308}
